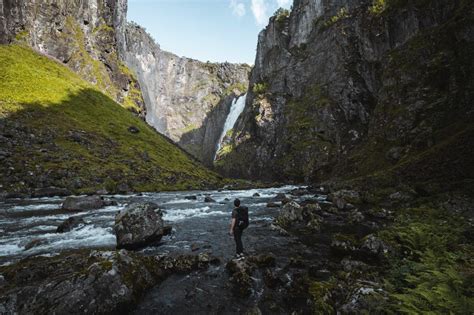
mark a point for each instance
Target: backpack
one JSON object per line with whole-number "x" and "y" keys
{"x": 242, "y": 217}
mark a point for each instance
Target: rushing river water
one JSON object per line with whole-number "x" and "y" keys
{"x": 196, "y": 224}
{"x": 198, "y": 227}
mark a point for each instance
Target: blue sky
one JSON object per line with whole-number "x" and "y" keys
{"x": 214, "y": 30}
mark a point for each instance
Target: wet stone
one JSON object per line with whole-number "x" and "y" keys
{"x": 70, "y": 224}
{"x": 273, "y": 205}
{"x": 83, "y": 203}
{"x": 208, "y": 199}
{"x": 34, "y": 243}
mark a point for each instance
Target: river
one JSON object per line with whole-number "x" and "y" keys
{"x": 198, "y": 227}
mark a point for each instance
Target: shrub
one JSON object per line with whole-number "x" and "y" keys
{"x": 378, "y": 6}
{"x": 281, "y": 15}
{"x": 342, "y": 14}
{"x": 260, "y": 88}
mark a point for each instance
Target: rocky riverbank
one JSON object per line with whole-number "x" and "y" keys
{"x": 318, "y": 250}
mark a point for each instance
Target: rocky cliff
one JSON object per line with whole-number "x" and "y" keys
{"x": 187, "y": 100}
{"x": 59, "y": 131}
{"x": 351, "y": 88}
{"x": 81, "y": 34}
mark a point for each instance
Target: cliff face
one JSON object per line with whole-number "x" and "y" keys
{"x": 187, "y": 100}
{"x": 348, "y": 88}
{"x": 81, "y": 34}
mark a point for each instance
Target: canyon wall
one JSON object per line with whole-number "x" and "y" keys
{"x": 187, "y": 100}
{"x": 351, "y": 88}
{"x": 184, "y": 99}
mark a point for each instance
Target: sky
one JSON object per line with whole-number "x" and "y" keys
{"x": 207, "y": 30}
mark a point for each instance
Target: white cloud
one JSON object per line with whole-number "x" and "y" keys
{"x": 283, "y": 3}
{"x": 260, "y": 11}
{"x": 238, "y": 8}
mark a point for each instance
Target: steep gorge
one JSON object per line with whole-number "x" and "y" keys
{"x": 60, "y": 134}
{"x": 184, "y": 99}
{"x": 351, "y": 88}
{"x": 187, "y": 100}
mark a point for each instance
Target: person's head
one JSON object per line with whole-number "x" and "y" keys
{"x": 236, "y": 202}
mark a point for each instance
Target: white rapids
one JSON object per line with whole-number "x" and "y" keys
{"x": 34, "y": 221}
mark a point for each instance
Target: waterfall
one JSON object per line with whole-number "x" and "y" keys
{"x": 236, "y": 109}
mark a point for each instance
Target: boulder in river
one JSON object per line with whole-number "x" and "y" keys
{"x": 280, "y": 197}
{"x": 190, "y": 197}
{"x": 291, "y": 212}
{"x": 83, "y": 203}
{"x": 69, "y": 224}
{"x": 256, "y": 195}
{"x": 299, "y": 192}
{"x": 208, "y": 199}
{"x": 34, "y": 243}
{"x": 138, "y": 225}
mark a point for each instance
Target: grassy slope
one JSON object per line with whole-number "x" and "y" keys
{"x": 61, "y": 131}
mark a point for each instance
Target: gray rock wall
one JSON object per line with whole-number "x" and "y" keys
{"x": 336, "y": 88}
{"x": 182, "y": 95}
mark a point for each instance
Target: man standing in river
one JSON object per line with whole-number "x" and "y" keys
{"x": 240, "y": 221}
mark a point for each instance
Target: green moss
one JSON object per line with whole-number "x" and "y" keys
{"x": 87, "y": 132}
{"x": 302, "y": 136}
{"x": 212, "y": 99}
{"x": 260, "y": 88}
{"x": 242, "y": 88}
{"x": 103, "y": 27}
{"x": 226, "y": 149}
{"x": 381, "y": 6}
{"x": 22, "y": 36}
{"x": 189, "y": 128}
{"x": 91, "y": 69}
{"x": 342, "y": 14}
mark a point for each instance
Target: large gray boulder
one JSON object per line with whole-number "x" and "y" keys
{"x": 138, "y": 225}
{"x": 291, "y": 212}
{"x": 83, "y": 203}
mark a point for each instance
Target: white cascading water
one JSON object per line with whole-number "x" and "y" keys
{"x": 236, "y": 109}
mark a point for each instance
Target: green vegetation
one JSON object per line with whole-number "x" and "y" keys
{"x": 260, "y": 88}
{"x": 79, "y": 135}
{"x": 321, "y": 293}
{"x": 432, "y": 60}
{"x": 22, "y": 36}
{"x": 281, "y": 16}
{"x": 378, "y": 6}
{"x": 188, "y": 128}
{"x": 432, "y": 271}
{"x": 342, "y": 14}
{"x": 239, "y": 86}
{"x": 303, "y": 136}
